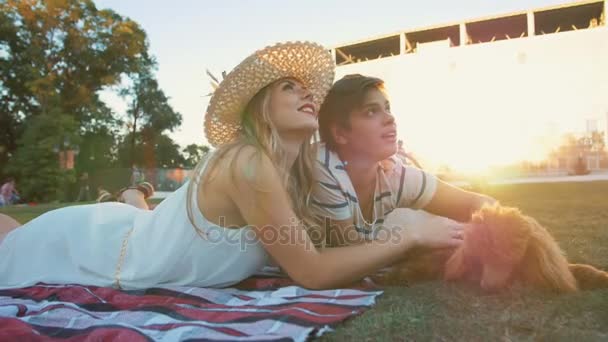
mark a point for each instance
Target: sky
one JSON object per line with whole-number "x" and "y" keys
{"x": 189, "y": 36}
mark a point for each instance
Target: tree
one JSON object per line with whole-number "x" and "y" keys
{"x": 597, "y": 141}
{"x": 149, "y": 116}
{"x": 156, "y": 150}
{"x": 36, "y": 163}
{"x": 55, "y": 55}
{"x": 100, "y": 133}
{"x": 580, "y": 168}
{"x": 66, "y": 49}
{"x": 166, "y": 152}
{"x": 193, "y": 154}
{"x": 9, "y": 131}
{"x": 97, "y": 151}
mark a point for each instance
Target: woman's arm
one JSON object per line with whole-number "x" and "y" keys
{"x": 264, "y": 204}
{"x": 342, "y": 232}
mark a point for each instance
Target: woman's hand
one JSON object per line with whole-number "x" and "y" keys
{"x": 264, "y": 205}
{"x": 422, "y": 229}
{"x": 437, "y": 233}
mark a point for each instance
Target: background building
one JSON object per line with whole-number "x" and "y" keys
{"x": 481, "y": 92}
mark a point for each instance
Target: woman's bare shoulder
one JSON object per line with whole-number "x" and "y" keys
{"x": 242, "y": 165}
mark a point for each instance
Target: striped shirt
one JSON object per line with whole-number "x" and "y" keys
{"x": 400, "y": 186}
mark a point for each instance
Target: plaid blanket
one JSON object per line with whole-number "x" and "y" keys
{"x": 259, "y": 309}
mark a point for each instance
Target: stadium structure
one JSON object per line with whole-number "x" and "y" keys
{"x": 500, "y": 88}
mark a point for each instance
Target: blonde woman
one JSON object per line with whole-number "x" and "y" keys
{"x": 245, "y": 203}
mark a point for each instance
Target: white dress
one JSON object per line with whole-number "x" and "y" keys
{"x": 115, "y": 244}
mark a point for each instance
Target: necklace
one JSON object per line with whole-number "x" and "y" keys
{"x": 368, "y": 225}
{"x": 371, "y": 209}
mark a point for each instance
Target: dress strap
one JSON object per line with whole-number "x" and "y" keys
{"x": 192, "y": 194}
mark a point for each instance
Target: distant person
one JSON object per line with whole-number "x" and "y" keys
{"x": 593, "y": 22}
{"x": 84, "y": 190}
{"x": 103, "y": 195}
{"x": 144, "y": 191}
{"x": 8, "y": 193}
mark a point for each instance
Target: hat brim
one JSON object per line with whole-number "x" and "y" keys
{"x": 308, "y": 62}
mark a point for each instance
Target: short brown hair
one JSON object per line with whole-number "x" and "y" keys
{"x": 344, "y": 96}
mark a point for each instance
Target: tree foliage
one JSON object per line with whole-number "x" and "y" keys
{"x": 56, "y": 56}
{"x": 193, "y": 154}
{"x": 148, "y": 116}
{"x": 37, "y": 161}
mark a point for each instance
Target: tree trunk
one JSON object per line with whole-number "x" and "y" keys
{"x": 133, "y": 132}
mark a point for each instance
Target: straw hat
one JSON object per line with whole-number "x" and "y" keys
{"x": 308, "y": 62}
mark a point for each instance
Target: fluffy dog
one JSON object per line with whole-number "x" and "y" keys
{"x": 501, "y": 246}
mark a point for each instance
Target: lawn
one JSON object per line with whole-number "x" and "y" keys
{"x": 576, "y": 214}
{"x": 24, "y": 213}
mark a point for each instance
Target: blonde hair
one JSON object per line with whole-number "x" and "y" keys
{"x": 258, "y": 130}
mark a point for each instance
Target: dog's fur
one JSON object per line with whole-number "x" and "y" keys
{"x": 501, "y": 246}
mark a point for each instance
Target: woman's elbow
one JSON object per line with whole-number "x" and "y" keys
{"x": 319, "y": 284}
{"x": 312, "y": 284}
{"x": 313, "y": 279}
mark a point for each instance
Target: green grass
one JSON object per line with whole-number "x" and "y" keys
{"x": 576, "y": 214}
{"x": 24, "y": 213}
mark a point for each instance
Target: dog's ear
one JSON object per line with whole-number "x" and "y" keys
{"x": 497, "y": 238}
{"x": 500, "y": 234}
